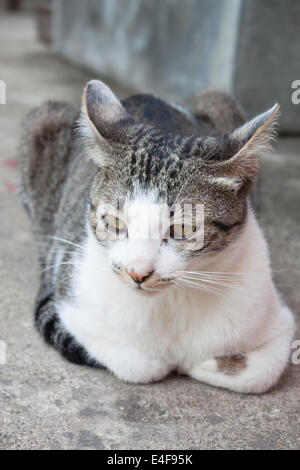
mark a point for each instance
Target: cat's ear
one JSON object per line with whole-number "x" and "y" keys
{"x": 245, "y": 146}
{"x": 101, "y": 118}
{"x": 101, "y": 106}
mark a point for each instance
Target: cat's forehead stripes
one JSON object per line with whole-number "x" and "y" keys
{"x": 157, "y": 160}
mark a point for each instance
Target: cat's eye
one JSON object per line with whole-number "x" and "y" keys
{"x": 114, "y": 223}
{"x": 182, "y": 231}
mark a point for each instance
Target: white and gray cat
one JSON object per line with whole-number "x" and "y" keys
{"x": 140, "y": 306}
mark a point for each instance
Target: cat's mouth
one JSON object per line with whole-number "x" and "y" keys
{"x": 151, "y": 290}
{"x": 153, "y": 284}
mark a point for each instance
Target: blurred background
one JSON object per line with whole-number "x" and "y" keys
{"x": 249, "y": 48}
{"x": 173, "y": 48}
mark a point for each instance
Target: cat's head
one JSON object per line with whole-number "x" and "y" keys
{"x": 161, "y": 201}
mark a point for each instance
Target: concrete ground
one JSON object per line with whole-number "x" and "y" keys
{"x": 47, "y": 403}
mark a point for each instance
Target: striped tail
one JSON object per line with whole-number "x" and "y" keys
{"x": 54, "y": 333}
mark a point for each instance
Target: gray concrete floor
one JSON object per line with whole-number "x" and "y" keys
{"x": 47, "y": 403}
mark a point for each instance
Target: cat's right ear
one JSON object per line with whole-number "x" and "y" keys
{"x": 101, "y": 120}
{"x": 243, "y": 149}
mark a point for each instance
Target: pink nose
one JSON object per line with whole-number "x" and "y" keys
{"x": 139, "y": 278}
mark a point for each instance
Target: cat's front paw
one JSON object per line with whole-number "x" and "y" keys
{"x": 141, "y": 369}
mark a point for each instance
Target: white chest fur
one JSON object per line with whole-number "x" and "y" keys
{"x": 141, "y": 338}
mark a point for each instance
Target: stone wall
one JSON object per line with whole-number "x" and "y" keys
{"x": 174, "y": 47}
{"x": 268, "y": 58}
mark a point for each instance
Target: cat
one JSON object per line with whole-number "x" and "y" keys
{"x": 111, "y": 296}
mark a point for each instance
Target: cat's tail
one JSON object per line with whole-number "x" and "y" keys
{"x": 51, "y": 328}
{"x": 215, "y": 111}
{"x": 44, "y": 150}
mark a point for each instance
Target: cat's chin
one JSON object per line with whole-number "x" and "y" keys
{"x": 146, "y": 291}
{"x": 149, "y": 291}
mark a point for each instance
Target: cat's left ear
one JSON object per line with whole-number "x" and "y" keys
{"x": 102, "y": 120}
{"x": 246, "y": 145}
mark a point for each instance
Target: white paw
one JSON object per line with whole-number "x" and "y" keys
{"x": 141, "y": 370}
{"x": 209, "y": 365}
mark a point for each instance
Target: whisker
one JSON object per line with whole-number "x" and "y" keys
{"x": 66, "y": 241}
{"x": 67, "y": 252}
{"x": 218, "y": 274}
{"x": 212, "y": 279}
{"x": 58, "y": 264}
{"x": 201, "y": 287}
{"x": 225, "y": 283}
{"x": 220, "y": 278}
{"x": 208, "y": 280}
{"x": 99, "y": 267}
{"x": 78, "y": 253}
{"x": 178, "y": 286}
{"x": 66, "y": 278}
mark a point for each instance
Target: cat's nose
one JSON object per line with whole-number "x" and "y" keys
{"x": 139, "y": 278}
